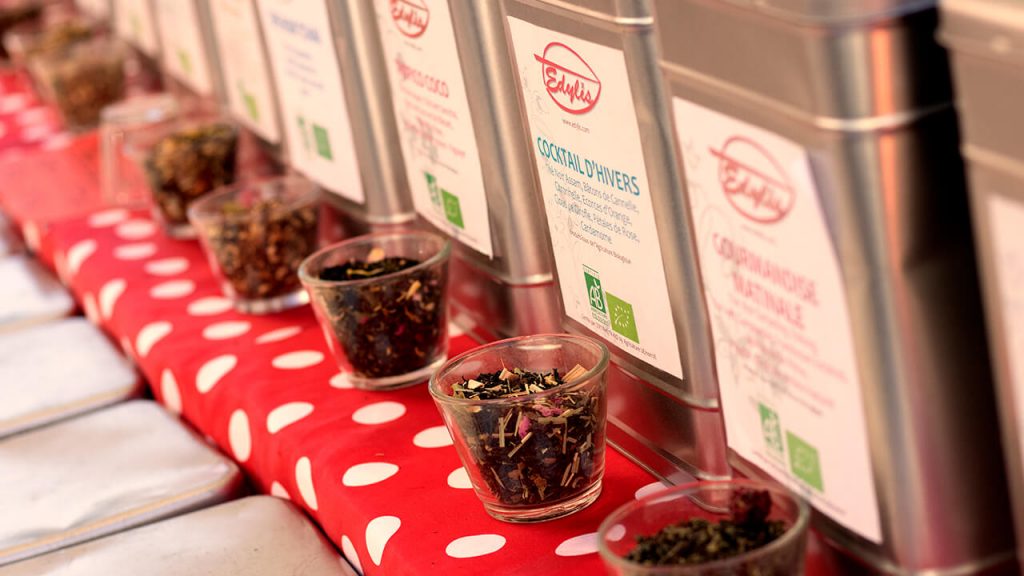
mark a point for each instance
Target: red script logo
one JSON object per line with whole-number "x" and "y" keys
{"x": 570, "y": 81}
{"x": 410, "y": 16}
{"x": 753, "y": 182}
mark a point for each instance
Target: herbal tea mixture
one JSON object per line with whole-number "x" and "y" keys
{"x": 391, "y": 327}
{"x": 698, "y": 540}
{"x": 534, "y": 452}
{"x": 187, "y": 164}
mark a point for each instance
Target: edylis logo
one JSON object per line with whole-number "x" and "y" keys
{"x": 753, "y": 181}
{"x": 569, "y": 80}
{"x": 410, "y": 16}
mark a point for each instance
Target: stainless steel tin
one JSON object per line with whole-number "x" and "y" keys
{"x": 255, "y": 536}
{"x": 101, "y": 473}
{"x": 986, "y": 42}
{"x": 870, "y": 102}
{"x": 183, "y": 71}
{"x": 670, "y": 425}
{"x": 502, "y": 285}
{"x": 29, "y": 294}
{"x": 58, "y": 370}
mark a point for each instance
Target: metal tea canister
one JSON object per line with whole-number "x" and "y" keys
{"x": 819, "y": 146}
{"x": 187, "y": 54}
{"x": 604, "y": 157}
{"x": 986, "y": 43}
{"x": 335, "y": 104}
{"x": 467, "y": 160}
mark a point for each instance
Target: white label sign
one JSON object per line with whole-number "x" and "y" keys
{"x": 432, "y": 110}
{"x": 184, "y": 54}
{"x": 309, "y": 86}
{"x": 96, "y": 8}
{"x": 787, "y": 372}
{"x": 1006, "y": 218}
{"x": 587, "y": 146}
{"x": 246, "y": 75}
{"x": 133, "y": 21}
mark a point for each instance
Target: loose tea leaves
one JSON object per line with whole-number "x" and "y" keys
{"x": 698, "y": 540}
{"x": 83, "y": 84}
{"x": 537, "y": 452}
{"x": 187, "y": 164}
{"x": 259, "y": 253}
{"x": 60, "y": 37}
{"x": 389, "y": 327}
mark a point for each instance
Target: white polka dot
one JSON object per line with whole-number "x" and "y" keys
{"x": 434, "y": 437}
{"x": 209, "y": 306}
{"x": 135, "y": 251}
{"x": 368, "y": 473}
{"x": 58, "y": 141}
{"x": 109, "y": 295}
{"x": 459, "y": 479}
{"x": 276, "y": 489}
{"x": 616, "y": 533}
{"x": 12, "y": 103}
{"x": 167, "y": 266}
{"x": 304, "y": 480}
{"x": 108, "y": 218}
{"x": 648, "y": 489}
{"x": 298, "y": 360}
{"x": 454, "y": 331}
{"x": 213, "y": 370}
{"x": 169, "y": 391}
{"x": 36, "y": 115}
{"x": 225, "y": 330}
{"x": 37, "y": 132}
{"x": 172, "y": 289}
{"x": 30, "y": 232}
{"x": 279, "y": 334}
{"x": 239, "y": 436}
{"x": 77, "y": 254}
{"x": 286, "y": 415}
{"x": 578, "y": 545}
{"x": 151, "y": 334}
{"x": 349, "y": 550}
{"x": 341, "y": 381}
{"x": 378, "y": 532}
{"x": 92, "y": 311}
{"x": 473, "y": 546}
{"x": 136, "y": 229}
{"x": 379, "y": 413}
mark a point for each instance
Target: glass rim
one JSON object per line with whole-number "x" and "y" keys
{"x": 795, "y": 530}
{"x": 601, "y": 366}
{"x": 200, "y": 210}
{"x": 441, "y": 255}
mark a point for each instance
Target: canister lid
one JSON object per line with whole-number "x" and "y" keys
{"x": 836, "y": 12}
{"x": 991, "y": 28}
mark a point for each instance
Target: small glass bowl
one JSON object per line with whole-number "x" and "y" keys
{"x": 183, "y": 161}
{"x": 709, "y": 501}
{"x": 386, "y": 331}
{"x": 537, "y": 456}
{"x": 82, "y": 80}
{"x": 255, "y": 236}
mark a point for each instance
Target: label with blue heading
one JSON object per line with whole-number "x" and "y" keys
{"x": 590, "y": 160}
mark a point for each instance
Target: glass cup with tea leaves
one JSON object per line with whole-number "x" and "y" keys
{"x": 724, "y": 528}
{"x": 255, "y": 236}
{"x": 382, "y": 302}
{"x": 528, "y": 417}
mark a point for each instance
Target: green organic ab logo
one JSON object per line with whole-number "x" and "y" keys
{"x": 771, "y": 428}
{"x": 804, "y": 461}
{"x": 594, "y": 291}
{"x": 185, "y": 62}
{"x": 249, "y": 100}
{"x": 435, "y": 192}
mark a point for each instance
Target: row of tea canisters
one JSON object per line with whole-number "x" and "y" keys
{"x": 467, "y": 159}
{"x": 605, "y": 161}
{"x": 986, "y": 42}
{"x": 819, "y": 146}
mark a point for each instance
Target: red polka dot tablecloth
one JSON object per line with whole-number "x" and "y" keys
{"x": 377, "y": 471}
